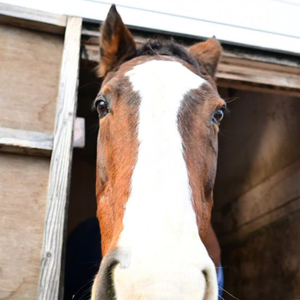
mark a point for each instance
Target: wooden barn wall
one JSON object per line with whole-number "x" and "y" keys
{"x": 30, "y": 67}
{"x": 23, "y": 195}
{"x": 257, "y": 195}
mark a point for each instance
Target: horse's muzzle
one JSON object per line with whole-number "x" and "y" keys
{"x": 119, "y": 278}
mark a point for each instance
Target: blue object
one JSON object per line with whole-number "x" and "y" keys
{"x": 220, "y": 278}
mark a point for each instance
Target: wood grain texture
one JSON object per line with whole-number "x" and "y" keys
{"x": 23, "y": 198}
{"x": 25, "y": 142}
{"x": 32, "y": 19}
{"x": 258, "y": 77}
{"x": 37, "y": 143}
{"x": 59, "y": 177}
{"x": 30, "y": 68}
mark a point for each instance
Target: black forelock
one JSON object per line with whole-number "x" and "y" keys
{"x": 157, "y": 47}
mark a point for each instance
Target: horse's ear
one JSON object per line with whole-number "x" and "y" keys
{"x": 208, "y": 54}
{"x": 116, "y": 42}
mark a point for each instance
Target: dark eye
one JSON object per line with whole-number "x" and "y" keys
{"x": 219, "y": 115}
{"x": 102, "y": 107}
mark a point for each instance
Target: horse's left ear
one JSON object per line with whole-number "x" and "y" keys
{"x": 116, "y": 42}
{"x": 208, "y": 54}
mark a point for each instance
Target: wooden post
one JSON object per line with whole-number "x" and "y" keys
{"x": 59, "y": 177}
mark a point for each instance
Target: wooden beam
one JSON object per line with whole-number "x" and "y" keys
{"x": 25, "y": 142}
{"x": 37, "y": 143}
{"x": 59, "y": 176}
{"x": 32, "y": 19}
{"x": 258, "y": 77}
{"x": 236, "y": 70}
{"x": 273, "y": 199}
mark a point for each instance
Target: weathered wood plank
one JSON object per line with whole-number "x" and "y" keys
{"x": 256, "y": 77}
{"x": 59, "y": 177}
{"x": 32, "y": 19}
{"x": 23, "y": 198}
{"x": 37, "y": 143}
{"x": 30, "y": 67}
{"x": 25, "y": 142}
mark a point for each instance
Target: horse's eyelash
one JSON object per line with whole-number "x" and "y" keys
{"x": 93, "y": 106}
{"x": 226, "y": 110}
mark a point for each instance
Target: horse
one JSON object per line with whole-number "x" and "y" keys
{"x": 159, "y": 116}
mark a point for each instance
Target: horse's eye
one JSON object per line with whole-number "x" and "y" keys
{"x": 102, "y": 108}
{"x": 219, "y": 115}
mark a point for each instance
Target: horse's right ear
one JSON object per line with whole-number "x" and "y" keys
{"x": 116, "y": 43}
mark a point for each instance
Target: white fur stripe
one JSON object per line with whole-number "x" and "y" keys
{"x": 164, "y": 254}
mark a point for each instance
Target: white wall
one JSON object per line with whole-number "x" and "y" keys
{"x": 267, "y": 24}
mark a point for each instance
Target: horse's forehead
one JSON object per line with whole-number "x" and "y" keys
{"x": 158, "y": 76}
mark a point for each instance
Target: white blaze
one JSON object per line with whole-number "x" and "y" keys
{"x": 164, "y": 254}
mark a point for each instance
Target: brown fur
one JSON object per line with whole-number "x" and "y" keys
{"x": 200, "y": 140}
{"x": 117, "y": 151}
{"x": 208, "y": 54}
{"x": 116, "y": 43}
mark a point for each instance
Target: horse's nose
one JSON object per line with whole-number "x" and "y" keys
{"x": 103, "y": 285}
{"x": 119, "y": 280}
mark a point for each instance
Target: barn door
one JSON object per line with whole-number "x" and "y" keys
{"x": 39, "y": 59}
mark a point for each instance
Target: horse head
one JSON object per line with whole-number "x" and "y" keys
{"x": 159, "y": 113}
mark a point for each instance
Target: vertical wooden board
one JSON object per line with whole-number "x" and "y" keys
{"x": 30, "y": 68}
{"x": 23, "y": 195}
{"x": 258, "y": 138}
{"x": 266, "y": 264}
{"x": 60, "y": 167}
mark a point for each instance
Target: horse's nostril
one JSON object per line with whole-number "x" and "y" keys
{"x": 206, "y": 293}
{"x": 211, "y": 287}
{"x": 204, "y": 272}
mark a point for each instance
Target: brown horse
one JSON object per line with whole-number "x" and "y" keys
{"x": 159, "y": 113}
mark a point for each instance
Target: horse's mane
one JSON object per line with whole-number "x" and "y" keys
{"x": 168, "y": 48}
